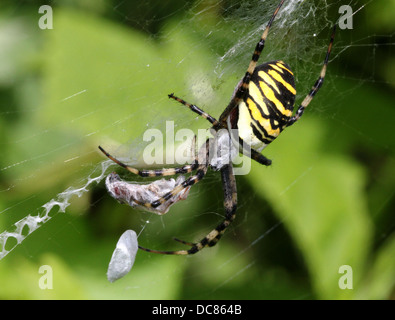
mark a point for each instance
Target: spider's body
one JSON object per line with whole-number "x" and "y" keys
{"x": 261, "y": 107}
{"x": 265, "y": 111}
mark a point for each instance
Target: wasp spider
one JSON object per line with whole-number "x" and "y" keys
{"x": 260, "y": 108}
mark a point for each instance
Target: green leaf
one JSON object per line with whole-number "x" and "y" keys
{"x": 379, "y": 281}
{"x": 23, "y": 279}
{"x": 319, "y": 197}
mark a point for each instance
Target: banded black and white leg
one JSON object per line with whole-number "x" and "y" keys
{"x": 306, "y": 101}
{"x": 195, "y": 109}
{"x": 201, "y": 170}
{"x": 154, "y": 173}
{"x": 230, "y": 204}
{"x": 242, "y": 88}
{"x": 192, "y": 180}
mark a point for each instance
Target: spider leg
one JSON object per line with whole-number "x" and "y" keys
{"x": 195, "y": 109}
{"x": 253, "y": 154}
{"x": 317, "y": 85}
{"x": 230, "y": 204}
{"x": 185, "y": 242}
{"x": 242, "y": 88}
{"x": 154, "y": 173}
{"x": 200, "y": 173}
{"x": 187, "y": 183}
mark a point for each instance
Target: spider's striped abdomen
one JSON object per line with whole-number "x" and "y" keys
{"x": 263, "y": 113}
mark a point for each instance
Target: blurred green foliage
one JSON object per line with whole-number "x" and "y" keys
{"x": 102, "y": 75}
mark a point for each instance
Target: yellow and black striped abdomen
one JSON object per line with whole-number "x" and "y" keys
{"x": 264, "y": 111}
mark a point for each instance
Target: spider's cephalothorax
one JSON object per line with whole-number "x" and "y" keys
{"x": 260, "y": 108}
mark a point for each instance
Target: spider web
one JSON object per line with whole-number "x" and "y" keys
{"x": 52, "y": 180}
